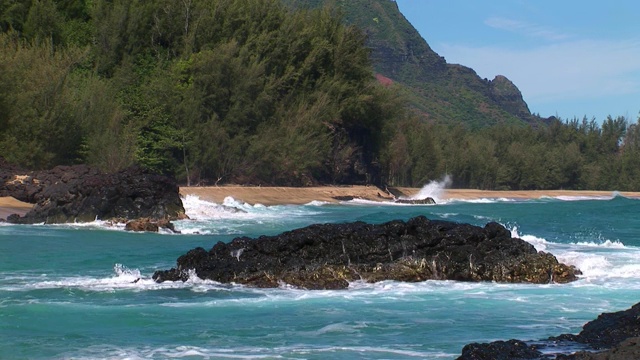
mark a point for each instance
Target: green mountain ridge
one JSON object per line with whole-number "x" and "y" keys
{"x": 440, "y": 92}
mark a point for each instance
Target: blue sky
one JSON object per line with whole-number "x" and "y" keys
{"x": 569, "y": 58}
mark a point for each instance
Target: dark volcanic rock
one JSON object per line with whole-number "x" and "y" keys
{"x": 329, "y": 256}
{"x": 150, "y": 225}
{"x": 500, "y": 350}
{"x": 618, "y": 332}
{"x": 626, "y": 350}
{"x": 608, "y": 329}
{"x": 425, "y": 201}
{"x": 82, "y": 193}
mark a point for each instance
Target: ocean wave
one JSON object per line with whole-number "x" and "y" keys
{"x": 378, "y": 203}
{"x": 198, "y": 209}
{"x": 483, "y": 200}
{"x": 248, "y": 352}
{"x": 606, "y": 244}
{"x": 317, "y": 203}
{"x": 539, "y": 243}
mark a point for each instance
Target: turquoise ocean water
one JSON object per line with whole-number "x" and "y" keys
{"x": 68, "y": 291}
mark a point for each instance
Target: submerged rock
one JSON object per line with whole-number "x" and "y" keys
{"x": 81, "y": 193}
{"x": 329, "y": 256}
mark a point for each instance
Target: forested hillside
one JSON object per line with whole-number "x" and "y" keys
{"x": 230, "y": 90}
{"x": 263, "y": 92}
{"x": 439, "y": 91}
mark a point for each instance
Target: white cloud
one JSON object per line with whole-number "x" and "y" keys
{"x": 526, "y": 28}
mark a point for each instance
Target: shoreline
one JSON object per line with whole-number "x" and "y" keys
{"x": 304, "y": 195}
{"x": 269, "y": 196}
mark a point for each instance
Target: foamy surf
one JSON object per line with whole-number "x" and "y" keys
{"x": 234, "y": 217}
{"x": 607, "y": 262}
{"x": 108, "y": 352}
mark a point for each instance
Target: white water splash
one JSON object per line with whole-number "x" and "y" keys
{"x": 198, "y": 209}
{"x": 539, "y": 243}
{"x": 434, "y": 189}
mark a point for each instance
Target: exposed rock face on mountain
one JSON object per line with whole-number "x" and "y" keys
{"x": 618, "y": 333}
{"x": 329, "y": 256}
{"x": 81, "y": 193}
{"x": 507, "y": 95}
{"x": 440, "y": 91}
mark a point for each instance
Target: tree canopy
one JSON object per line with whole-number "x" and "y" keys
{"x": 256, "y": 92}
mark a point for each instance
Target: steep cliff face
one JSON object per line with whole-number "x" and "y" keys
{"x": 440, "y": 91}
{"x": 509, "y": 97}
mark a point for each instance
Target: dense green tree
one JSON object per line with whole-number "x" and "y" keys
{"x": 43, "y": 22}
{"x": 251, "y": 91}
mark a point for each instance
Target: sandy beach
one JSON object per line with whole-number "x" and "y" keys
{"x": 296, "y": 196}
{"x": 9, "y": 205}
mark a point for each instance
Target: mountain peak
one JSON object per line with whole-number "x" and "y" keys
{"x": 507, "y": 94}
{"x": 448, "y": 93}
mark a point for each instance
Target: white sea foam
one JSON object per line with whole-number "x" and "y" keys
{"x": 375, "y": 203}
{"x": 245, "y": 352}
{"x": 318, "y": 203}
{"x": 609, "y": 263}
{"x": 582, "y": 198}
{"x": 607, "y": 244}
{"x": 198, "y": 209}
{"x": 123, "y": 278}
{"x": 539, "y": 243}
{"x": 233, "y": 216}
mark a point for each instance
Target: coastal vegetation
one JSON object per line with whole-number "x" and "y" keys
{"x": 262, "y": 92}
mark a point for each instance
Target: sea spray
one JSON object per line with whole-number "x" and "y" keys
{"x": 434, "y": 189}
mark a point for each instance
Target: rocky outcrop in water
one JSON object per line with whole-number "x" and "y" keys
{"x": 82, "y": 193}
{"x": 425, "y": 201}
{"x": 149, "y": 225}
{"x": 612, "y": 336}
{"x": 329, "y": 256}
{"x": 628, "y": 349}
{"x": 500, "y": 350}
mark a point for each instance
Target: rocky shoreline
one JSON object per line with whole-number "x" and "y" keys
{"x": 81, "y": 193}
{"x": 612, "y": 336}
